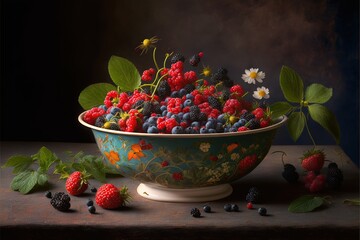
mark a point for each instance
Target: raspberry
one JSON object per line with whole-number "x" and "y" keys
{"x": 318, "y": 184}
{"x": 190, "y": 77}
{"x": 236, "y": 91}
{"x": 111, "y": 98}
{"x": 170, "y": 123}
{"x": 123, "y": 98}
{"x": 258, "y": 113}
{"x": 242, "y": 129}
{"x": 91, "y": 115}
{"x": 174, "y": 105}
{"x": 232, "y": 106}
{"x": 131, "y": 124}
{"x": 148, "y": 75}
{"x": 264, "y": 123}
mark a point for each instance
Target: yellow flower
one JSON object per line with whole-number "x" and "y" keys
{"x": 146, "y": 44}
{"x": 206, "y": 71}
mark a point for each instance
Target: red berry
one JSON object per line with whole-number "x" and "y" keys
{"x": 232, "y": 106}
{"x": 91, "y": 115}
{"x": 242, "y": 129}
{"x": 249, "y": 205}
{"x": 313, "y": 160}
{"x": 76, "y": 183}
{"x": 108, "y": 196}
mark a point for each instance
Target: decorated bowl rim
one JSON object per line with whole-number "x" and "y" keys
{"x": 279, "y": 122}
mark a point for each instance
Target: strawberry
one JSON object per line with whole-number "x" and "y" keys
{"x": 108, "y": 196}
{"x": 313, "y": 160}
{"x": 76, "y": 183}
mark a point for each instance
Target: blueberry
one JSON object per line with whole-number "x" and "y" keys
{"x": 48, "y": 194}
{"x": 93, "y": 189}
{"x": 203, "y": 130}
{"x": 145, "y": 126}
{"x": 169, "y": 114}
{"x": 109, "y": 116}
{"x": 233, "y": 129}
{"x": 89, "y": 202}
{"x": 176, "y": 117}
{"x": 222, "y": 118}
{"x": 195, "y": 124}
{"x": 219, "y": 127}
{"x": 152, "y": 120}
{"x": 175, "y": 94}
{"x": 164, "y": 113}
{"x": 242, "y": 122}
{"x": 189, "y": 96}
{"x": 177, "y": 130}
{"x": 152, "y": 129}
{"x": 186, "y": 116}
{"x": 188, "y": 103}
{"x": 262, "y": 211}
{"x": 114, "y": 110}
{"x": 227, "y": 207}
{"x": 103, "y": 107}
{"x": 210, "y": 124}
{"x": 211, "y": 130}
{"x": 207, "y": 208}
{"x": 234, "y": 208}
{"x": 163, "y": 108}
{"x": 182, "y": 92}
{"x": 92, "y": 209}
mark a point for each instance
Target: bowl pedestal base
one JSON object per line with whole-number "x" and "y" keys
{"x": 202, "y": 194}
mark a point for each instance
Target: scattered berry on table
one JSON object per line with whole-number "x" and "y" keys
{"x": 93, "y": 189}
{"x": 314, "y": 182}
{"x": 234, "y": 208}
{"x": 109, "y": 196}
{"x": 334, "y": 176}
{"x": 227, "y": 207}
{"x": 207, "y": 209}
{"x": 249, "y": 205}
{"x": 253, "y": 195}
{"x": 195, "y": 212}
{"x": 61, "y": 201}
{"x": 76, "y": 183}
{"x": 89, "y": 202}
{"x": 92, "y": 209}
{"x": 262, "y": 211}
{"x": 48, "y": 194}
{"x": 313, "y": 160}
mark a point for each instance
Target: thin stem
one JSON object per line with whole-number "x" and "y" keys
{"x": 157, "y": 84}
{"x": 154, "y": 59}
{"x": 308, "y": 130}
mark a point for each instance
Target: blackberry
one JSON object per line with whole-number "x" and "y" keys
{"x": 202, "y": 117}
{"x": 99, "y": 122}
{"x": 195, "y": 212}
{"x": 138, "y": 104}
{"x": 290, "y": 176}
{"x": 177, "y": 57}
{"x": 332, "y": 165}
{"x": 207, "y": 209}
{"x": 93, "y": 189}
{"x": 156, "y": 108}
{"x": 147, "y": 90}
{"x": 253, "y": 195}
{"x": 189, "y": 88}
{"x": 253, "y": 124}
{"x": 194, "y": 60}
{"x": 289, "y": 167}
{"x": 215, "y": 78}
{"x": 247, "y": 116}
{"x": 225, "y": 95}
{"x": 163, "y": 89}
{"x": 227, "y": 207}
{"x": 194, "y": 113}
{"x": 114, "y": 126}
{"x": 48, "y": 194}
{"x": 92, "y": 209}
{"x": 214, "y": 102}
{"x": 262, "y": 211}
{"x": 227, "y": 82}
{"x": 222, "y": 71}
{"x": 264, "y": 105}
{"x": 334, "y": 177}
{"x": 60, "y": 201}
{"x": 147, "y": 108}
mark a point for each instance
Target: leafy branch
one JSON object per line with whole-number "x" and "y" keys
{"x": 33, "y": 171}
{"x": 300, "y": 106}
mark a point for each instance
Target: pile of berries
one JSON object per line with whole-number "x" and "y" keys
{"x": 175, "y": 101}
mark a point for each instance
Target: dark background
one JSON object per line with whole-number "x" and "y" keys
{"x": 51, "y": 50}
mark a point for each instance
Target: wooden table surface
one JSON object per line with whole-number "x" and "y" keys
{"x": 32, "y": 217}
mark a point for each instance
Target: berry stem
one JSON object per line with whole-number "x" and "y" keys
{"x": 157, "y": 84}
{"x": 154, "y": 59}
{"x": 282, "y": 156}
{"x": 308, "y": 130}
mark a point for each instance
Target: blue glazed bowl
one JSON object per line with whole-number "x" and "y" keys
{"x": 184, "y": 161}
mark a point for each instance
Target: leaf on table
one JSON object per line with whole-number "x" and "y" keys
{"x": 19, "y": 163}
{"x": 306, "y": 203}
{"x": 24, "y": 182}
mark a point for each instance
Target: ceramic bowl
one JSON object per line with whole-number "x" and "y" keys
{"x": 184, "y": 167}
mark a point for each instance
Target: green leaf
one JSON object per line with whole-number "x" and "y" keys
{"x": 291, "y": 85}
{"x": 306, "y": 203}
{"x": 279, "y": 109}
{"x": 24, "y": 182}
{"x": 42, "y": 179}
{"x": 326, "y": 119}
{"x": 19, "y": 163}
{"x": 45, "y": 158}
{"x": 95, "y": 167}
{"x": 355, "y": 202}
{"x": 94, "y": 95}
{"x": 124, "y": 73}
{"x": 317, "y": 93}
{"x": 296, "y": 124}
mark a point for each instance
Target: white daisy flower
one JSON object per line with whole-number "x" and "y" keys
{"x": 253, "y": 74}
{"x": 261, "y": 93}
{"x": 234, "y": 156}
